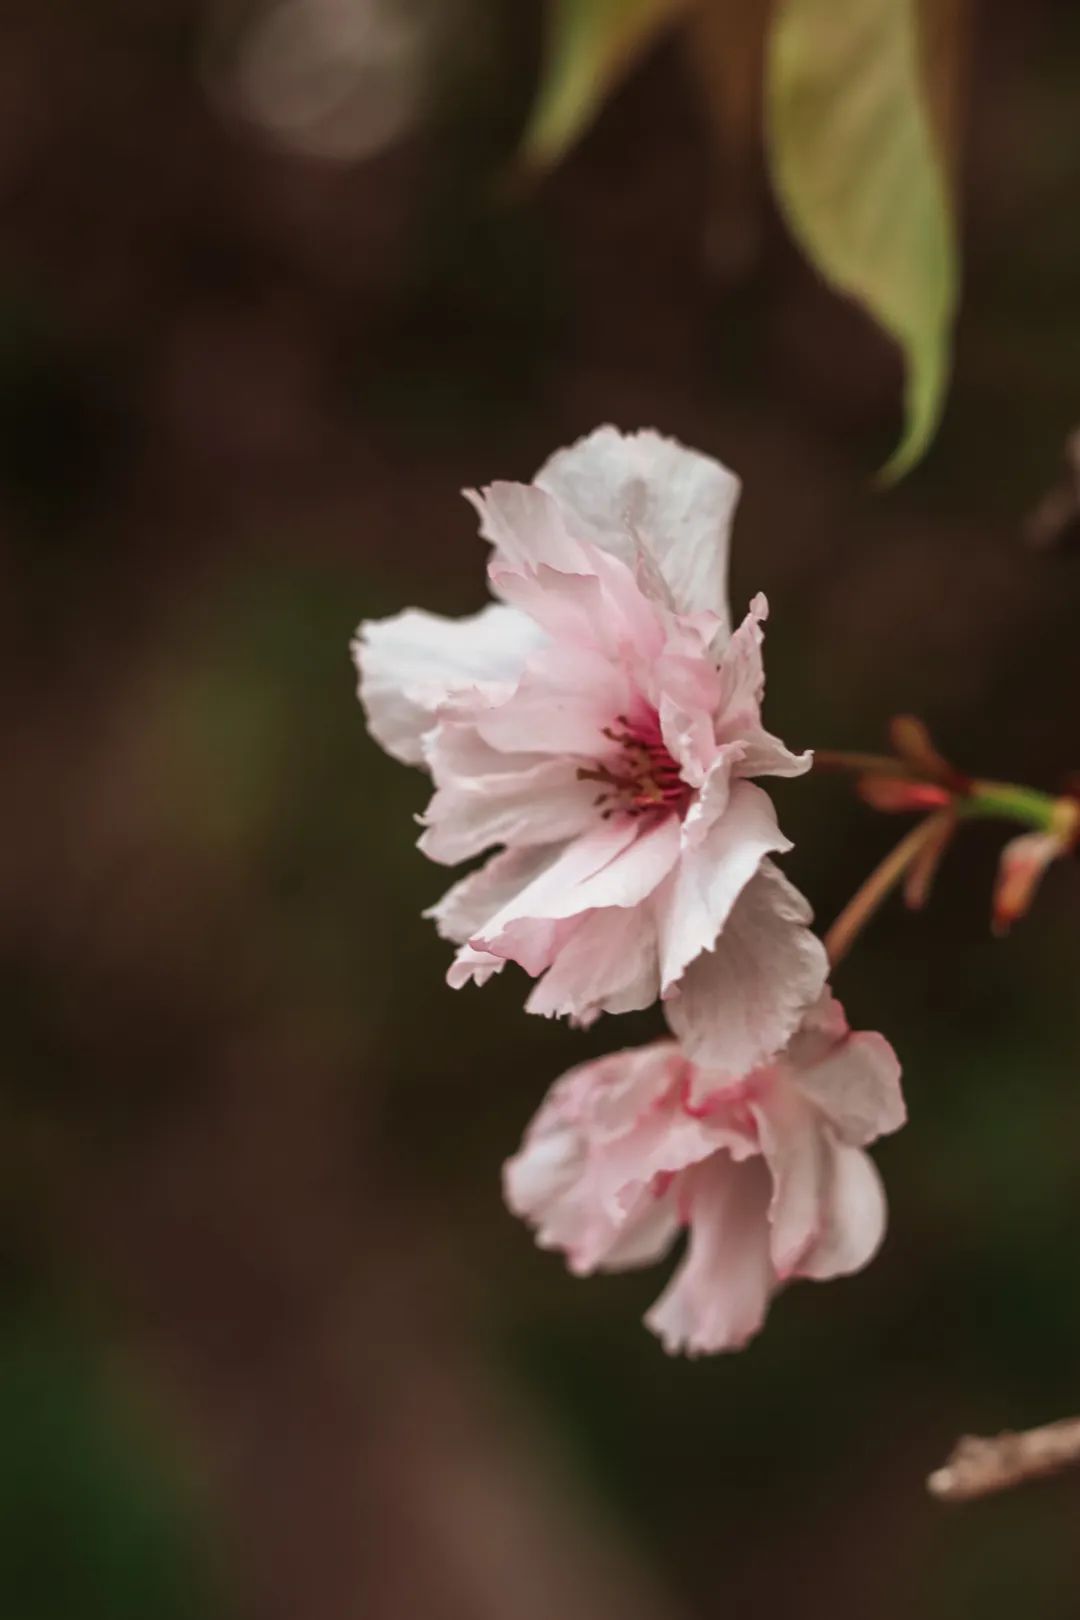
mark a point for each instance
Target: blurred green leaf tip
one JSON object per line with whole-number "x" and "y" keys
{"x": 589, "y": 46}
{"x": 855, "y": 161}
{"x": 861, "y": 182}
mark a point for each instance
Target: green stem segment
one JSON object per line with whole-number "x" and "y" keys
{"x": 1005, "y": 801}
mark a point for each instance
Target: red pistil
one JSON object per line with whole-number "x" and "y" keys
{"x": 645, "y": 777}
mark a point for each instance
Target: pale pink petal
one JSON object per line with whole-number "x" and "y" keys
{"x": 738, "y": 1004}
{"x": 549, "y": 1182}
{"x": 856, "y": 1086}
{"x": 666, "y": 1140}
{"x": 606, "y": 1096}
{"x": 471, "y": 903}
{"x": 641, "y": 493}
{"x": 697, "y": 900}
{"x": 618, "y": 863}
{"x": 409, "y": 664}
{"x": 468, "y": 906}
{"x": 646, "y": 1233}
{"x": 682, "y": 677}
{"x": 738, "y": 711}
{"x": 713, "y": 795}
{"x": 601, "y": 605}
{"x": 853, "y": 1208}
{"x": 607, "y": 965}
{"x": 718, "y": 1297}
{"x": 544, "y": 1171}
{"x": 687, "y": 735}
{"x": 561, "y": 705}
{"x": 486, "y": 797}
{"x": 793, "y": 1140}
{"x": 472, "y": 966}
{"x": 823, "y": 1026}
{"x": 527, "y": 528}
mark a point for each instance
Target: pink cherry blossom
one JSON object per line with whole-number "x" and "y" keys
{"x": 767, "y": 1172}
{"x": 598, "y": 725}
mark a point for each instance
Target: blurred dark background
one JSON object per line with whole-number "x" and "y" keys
{"x": 271, "y": 1348}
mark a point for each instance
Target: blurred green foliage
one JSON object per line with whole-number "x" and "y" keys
{"x": 93, "y": 1519}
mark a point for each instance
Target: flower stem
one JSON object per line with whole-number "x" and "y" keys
{"x": 882, "y": 880}
{"x": 1005, "y": 801}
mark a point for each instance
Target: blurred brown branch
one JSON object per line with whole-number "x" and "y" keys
{"x": 983, "y": 1466}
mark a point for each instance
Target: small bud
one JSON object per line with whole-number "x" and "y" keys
{"x": 1020, "y": 871}
{"x": 912, "y": 742}
{"x": 896, "y": 794}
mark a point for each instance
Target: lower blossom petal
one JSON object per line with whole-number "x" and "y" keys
{"x": 719, "y": 1295}
{"x": 546, "y": 1183}
{"x": 856, "y": 1087}
{"x": 853, "y": 1215}
{"x": 798, "y": 1156}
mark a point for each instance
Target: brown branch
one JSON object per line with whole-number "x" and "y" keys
{"x": 982, "y": 1466}
{"x": 882, "y": 880}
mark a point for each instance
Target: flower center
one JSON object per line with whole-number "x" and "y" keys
{"x": 643, "y": 778}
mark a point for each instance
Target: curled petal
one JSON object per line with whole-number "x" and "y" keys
{"x": 742, "y": 676}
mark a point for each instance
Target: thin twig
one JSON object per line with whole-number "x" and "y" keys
{"x": 882, "y": 880}
{"x": 982, "y": 1466}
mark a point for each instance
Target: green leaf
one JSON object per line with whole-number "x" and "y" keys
{"x": 590, "y": 45}
{"x": 858, "y": 175}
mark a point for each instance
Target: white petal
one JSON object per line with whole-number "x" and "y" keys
{"x": 409, "y": 664}
{"x": 697, "y": 900}
{"x": 641, "y": 493}
{"x": 718, "y": 1297}
{"x": 737, "y": 1005}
